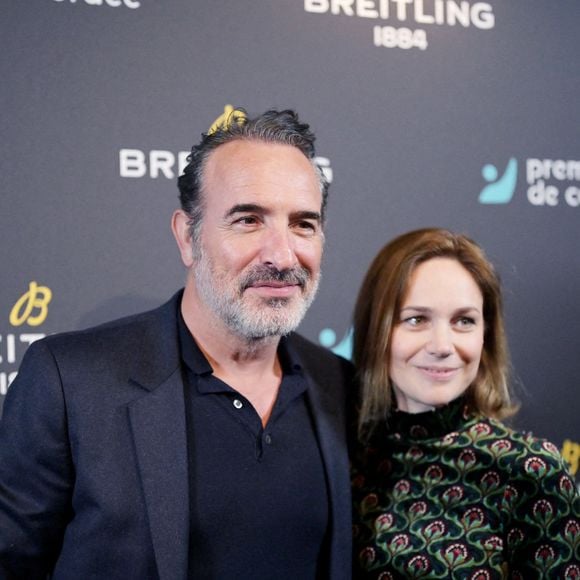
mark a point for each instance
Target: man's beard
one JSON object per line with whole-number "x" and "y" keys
{"x": 252, "y": 317}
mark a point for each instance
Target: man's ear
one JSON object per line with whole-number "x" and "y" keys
{"x": 182, "y": 232}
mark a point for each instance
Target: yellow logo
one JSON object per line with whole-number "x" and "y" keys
{"x": 32, "y": 306}
{"x": 229, "y": 116}
{"x": 571, "y": 454}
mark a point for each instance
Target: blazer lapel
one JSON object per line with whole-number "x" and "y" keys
{"x": 159, "y": 432}
{"x": 328, "y": 413}
{"x": 158, "y": 426}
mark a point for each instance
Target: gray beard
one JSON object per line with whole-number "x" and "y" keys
{"x": 274, "y": 317}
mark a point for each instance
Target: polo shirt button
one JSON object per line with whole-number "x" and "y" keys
{"x": 238, "y": 404}
{"x": 268, "y": 439}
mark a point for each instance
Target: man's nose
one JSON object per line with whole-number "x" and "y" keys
{"x": 278, "y": 249}
{"x": 440, "y": 341}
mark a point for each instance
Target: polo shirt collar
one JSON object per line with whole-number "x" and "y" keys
{"x": 195, "y": 360}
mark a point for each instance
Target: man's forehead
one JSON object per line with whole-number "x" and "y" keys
{"x": 258, "y": 169}
{"x": 250, "y": 151}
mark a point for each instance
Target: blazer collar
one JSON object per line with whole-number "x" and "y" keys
{"x": 158, "y": 355}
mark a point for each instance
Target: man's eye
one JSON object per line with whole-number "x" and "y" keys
{"x": 306, "y": 226}
{"x": 248, "y": 220}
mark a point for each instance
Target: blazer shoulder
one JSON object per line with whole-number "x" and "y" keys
{"x": 144, "y": 347}
{"x": 120, "y": 333}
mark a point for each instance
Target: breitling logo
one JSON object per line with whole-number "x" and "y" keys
{"x": 32, "y": 306}
{"x": 230, "y": 116}
{"x": 30, "y": 309}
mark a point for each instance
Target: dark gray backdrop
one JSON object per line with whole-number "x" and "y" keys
{"x": 406, "y": 131}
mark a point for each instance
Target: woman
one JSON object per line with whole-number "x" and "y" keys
{"x": 442, "y": 488}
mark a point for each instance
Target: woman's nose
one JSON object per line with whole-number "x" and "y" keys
{"x": 441, "y": 341}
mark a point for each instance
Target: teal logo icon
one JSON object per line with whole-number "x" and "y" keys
{"x": 327, "y": 338}
{"x": 499, "y": 190}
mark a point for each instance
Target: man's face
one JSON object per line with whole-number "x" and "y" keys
{"x": 257, "y": 267}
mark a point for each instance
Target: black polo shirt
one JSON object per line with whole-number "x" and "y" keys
{"x": 258, "y": 498}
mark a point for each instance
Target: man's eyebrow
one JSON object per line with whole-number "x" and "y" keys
{"x": 255, "y": 208}
{"x": 245, "y": 208}
{"x": 307, "y": 215}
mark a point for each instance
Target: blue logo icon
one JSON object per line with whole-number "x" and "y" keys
{"x": 327, "y": 338}
{"x": 499, "y": 190}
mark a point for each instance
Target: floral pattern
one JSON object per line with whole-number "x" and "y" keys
{"x": 448, "y": 495}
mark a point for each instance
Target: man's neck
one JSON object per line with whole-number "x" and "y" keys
{"x": 250, "y": 366}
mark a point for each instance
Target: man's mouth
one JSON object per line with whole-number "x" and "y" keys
{"x": 271, "y": 284}
{"x": 275, "y": 289}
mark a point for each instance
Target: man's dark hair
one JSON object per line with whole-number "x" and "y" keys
{"x": 272, "y": 126}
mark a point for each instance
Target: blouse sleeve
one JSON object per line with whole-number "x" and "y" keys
{"x": 542, "y": 509}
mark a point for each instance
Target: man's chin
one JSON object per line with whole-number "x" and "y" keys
{"x": 276, "y": 303}
{"x": 260, "y": 326}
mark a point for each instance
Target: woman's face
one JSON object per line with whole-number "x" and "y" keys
{"x": 438, "y": 336}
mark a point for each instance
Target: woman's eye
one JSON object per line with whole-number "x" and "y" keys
{"x": 414, "y": 320}
{"x": 465, "y": 321}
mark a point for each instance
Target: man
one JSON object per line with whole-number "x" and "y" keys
{"x": 203, "y": 439}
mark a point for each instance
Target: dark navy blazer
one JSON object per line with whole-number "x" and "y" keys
{"x": 93, "y": 454}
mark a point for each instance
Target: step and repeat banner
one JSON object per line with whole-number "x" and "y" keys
{"x": 450, "y": 113}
